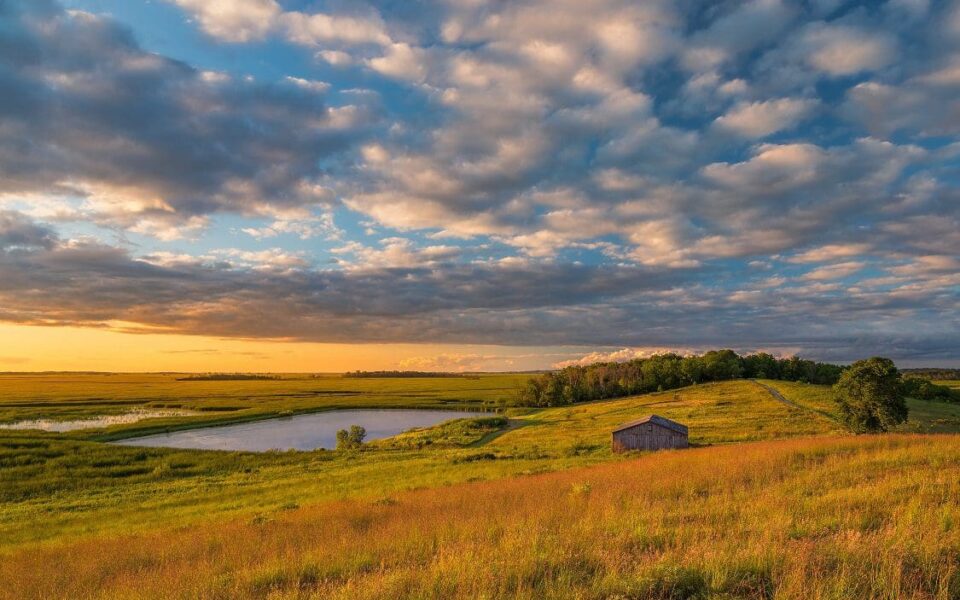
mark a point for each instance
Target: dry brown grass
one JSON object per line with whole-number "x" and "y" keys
{"x": 863, "y": 517}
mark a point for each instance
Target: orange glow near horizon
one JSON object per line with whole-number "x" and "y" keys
{"x": 34, "y": 348}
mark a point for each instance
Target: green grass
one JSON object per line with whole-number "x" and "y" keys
{"x": 58, "y": 487}
{"x": 924, "y": 416}
{"x": 866, "y": 517}
{"x": 70, "y": 396}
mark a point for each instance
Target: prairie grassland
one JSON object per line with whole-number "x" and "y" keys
{"x": 925, "y": 416}
{"x": 56, "y": 488}
{"x": 826, "y": 518}
{"x": 67, "y": 396}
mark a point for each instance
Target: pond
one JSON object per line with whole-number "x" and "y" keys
{"x": 95, "y": 422}
{"x": 301, "y": 432}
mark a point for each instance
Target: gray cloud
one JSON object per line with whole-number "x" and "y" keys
{"x": 68, "y": 282}
{"x": 86, "y": 112}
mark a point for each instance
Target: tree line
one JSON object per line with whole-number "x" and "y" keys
{"x": 599, "y": 381}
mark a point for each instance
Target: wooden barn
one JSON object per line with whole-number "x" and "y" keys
{"x": 652, "y": 432}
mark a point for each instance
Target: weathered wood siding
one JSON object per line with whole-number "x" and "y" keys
{"x": 648, "y": 436}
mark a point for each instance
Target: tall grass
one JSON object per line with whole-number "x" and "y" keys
{"x": 54, "y": 488}
{"x": 852, "y": 517}
{"x": 66, "y": 396}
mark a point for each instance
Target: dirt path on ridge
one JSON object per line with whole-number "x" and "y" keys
{"x": 778, "y": 396}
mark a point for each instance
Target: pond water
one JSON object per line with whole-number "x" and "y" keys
{"x": 95, "y": 422}
{"x": 301, "y": 432}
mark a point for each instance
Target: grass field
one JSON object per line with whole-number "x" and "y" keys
{"x": 852, "y": 517}
{"x": 59, "y": 492}
{"x": 924, "y": 416}
{"x": 69, "y": 396}
{"x": 56, "y": 486}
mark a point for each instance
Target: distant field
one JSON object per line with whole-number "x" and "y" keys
{"x": 868, "y": 517}
{"x": 69, "y": 396}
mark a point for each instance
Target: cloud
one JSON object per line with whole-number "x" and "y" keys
{"x": 621, "y": 355}
{"x": 842, "y": 50}
{"x": 401, "y": 61}
{"x": 395, "y": 253}
{"x": 760, "y": 119}
{"x": 318, "y": 29}
{"x": 234, "y": 20}
{"x": 835, "y": 271}
{"x": 14, "y": 360}
{"x": 610, "y": 173}
{"x": 830, "y": 252}
{"x": 457, "y": 362}
{"x": 151, "y": 144}
{"x": 79, "y": 282}
{"x": 19, "y": 233}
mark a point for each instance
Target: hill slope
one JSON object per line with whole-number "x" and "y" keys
{"x": 851, "y": 517}
{"x": 55, "y": 488}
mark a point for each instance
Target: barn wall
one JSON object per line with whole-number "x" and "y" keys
{"x": 648, "y": 436}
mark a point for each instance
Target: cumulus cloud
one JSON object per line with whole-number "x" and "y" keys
{"x": 319, "y": 28}
{"x": 234, "y": 20}
{"x": 760, "y": 119}
{"x": 621, "y": 355}
{"x": 843, "y": 50}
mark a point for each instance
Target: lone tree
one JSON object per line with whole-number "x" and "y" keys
{"x": 352, "y": 439}
{"x": 871, "y": 395}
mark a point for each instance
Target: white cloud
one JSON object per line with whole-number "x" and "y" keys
{"x": 760, "y": 119}
{"x": 337, "y": 58}
{"x": 844, "y": 50}
{"x": 773, "y": 168}
{"x": 622, "y": 355}
{"x": 835, "y": 271}
{"x": 830, "y": 252}
{"x": 234, "y": 20}
{"x": 319, "y": 28}
{"x": 401, "y": 62}
{"x": 395, "y": 253}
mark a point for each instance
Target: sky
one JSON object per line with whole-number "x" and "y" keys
{"x": 295, "y": 185}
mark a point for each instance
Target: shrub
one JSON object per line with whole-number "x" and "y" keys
{"x": 351, "y": 439}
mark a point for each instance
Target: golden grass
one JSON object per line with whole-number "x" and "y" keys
{"x": 826, "y": 518}
{"x": 925, "y": 416}
{"x": 56, "y": 488}
{"x": 65, "y": 396}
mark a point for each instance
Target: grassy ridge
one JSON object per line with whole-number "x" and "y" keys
{"x": 925, "y": 416}
{"x": 852, "y": 517}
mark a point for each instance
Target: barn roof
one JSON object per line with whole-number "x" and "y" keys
{"x": 657, "y": 420}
